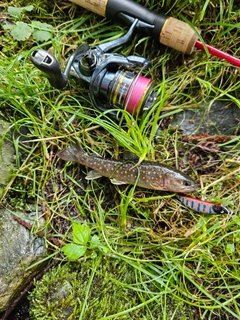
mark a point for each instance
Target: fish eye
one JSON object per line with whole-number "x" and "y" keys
{"x": 186, "y": 183}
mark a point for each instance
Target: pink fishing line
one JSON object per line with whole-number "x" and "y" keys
{"x": 136, "y": 93}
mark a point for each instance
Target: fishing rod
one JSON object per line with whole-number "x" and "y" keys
{"x": 169, "y": 31}
{"x": 114, "y": 80}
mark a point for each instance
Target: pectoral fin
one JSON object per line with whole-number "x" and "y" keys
{"x": 93, "y": 174}
{"x": 114, "y": 181}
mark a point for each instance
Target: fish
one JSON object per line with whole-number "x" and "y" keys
{"x": 147, "y": 174}
{"x": 202, "y": 206}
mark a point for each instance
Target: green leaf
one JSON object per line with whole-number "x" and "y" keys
{"x": 8, "y": 26}
{"x": 21, "y": 31}
{"x": 95, "y": 242}
{"x": 230, "y": 248}
{"x": 41, "y": 25}
{"x": 74, "y": 251}
{"x": 81, "y": 233}
{"x": 42, "y": 32}
{"x": 16, "y": 12}
{"x": 41, "y": 36}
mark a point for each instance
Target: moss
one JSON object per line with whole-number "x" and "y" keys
{"x": 115, "y": 287}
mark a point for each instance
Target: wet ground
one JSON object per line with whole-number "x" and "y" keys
{"x": 214, "y": 119}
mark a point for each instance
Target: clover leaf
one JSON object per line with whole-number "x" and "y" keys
{"x": 20, "y": 31}
{"x": 16, "y": 11}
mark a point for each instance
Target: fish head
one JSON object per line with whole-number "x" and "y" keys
{"x": 180, "y": 182}
{"x": 174, "y": 181}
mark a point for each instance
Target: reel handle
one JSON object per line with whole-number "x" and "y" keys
{"x": 47, "y": 63}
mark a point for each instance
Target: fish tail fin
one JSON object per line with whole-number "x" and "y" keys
{"x": 71, "y": 153}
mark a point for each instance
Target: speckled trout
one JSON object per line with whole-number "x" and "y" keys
{"x": 150, "y": 175}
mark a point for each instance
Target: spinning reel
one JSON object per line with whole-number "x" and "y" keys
{"x": 112, "y": 80}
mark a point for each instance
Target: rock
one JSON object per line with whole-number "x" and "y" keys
{"x": 19, "y": 249}
{"x": 217, "y": 118}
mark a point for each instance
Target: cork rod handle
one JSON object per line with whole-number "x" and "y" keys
{"x": 171, "y": 32}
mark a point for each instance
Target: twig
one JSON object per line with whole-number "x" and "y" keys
{"x": 27, "y": 225}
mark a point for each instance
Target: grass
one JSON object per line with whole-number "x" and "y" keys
{"x": 194, "y": 258}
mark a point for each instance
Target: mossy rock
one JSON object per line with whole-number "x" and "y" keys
{"x": 102, "y": 289}
{"x": 7, "y": 155}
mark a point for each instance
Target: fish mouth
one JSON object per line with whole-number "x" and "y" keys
{"x": 188, "y": 189}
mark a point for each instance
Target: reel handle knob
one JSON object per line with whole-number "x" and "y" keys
{"x": 47, "y": 63}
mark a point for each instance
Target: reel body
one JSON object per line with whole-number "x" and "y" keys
{"x": 112, "y": 78}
